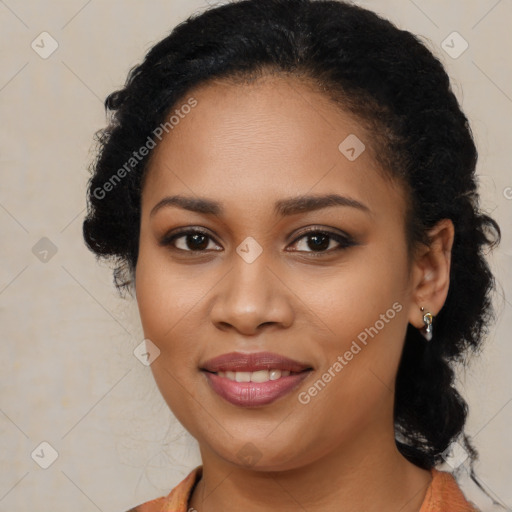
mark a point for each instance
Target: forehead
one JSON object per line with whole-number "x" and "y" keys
{"x": 246, "y": 143}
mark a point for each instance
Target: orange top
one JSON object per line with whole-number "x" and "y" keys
{"x": 443, "y": 495}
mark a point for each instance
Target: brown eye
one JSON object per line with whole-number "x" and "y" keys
{"x": 194, "y": 240}
{"x": 319, "y": 241}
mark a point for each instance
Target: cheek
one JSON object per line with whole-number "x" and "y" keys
{"x": 356, "y": 296}
{"x": 361, "y": 309}
{"x": 165, "y": 293}
{"x": 163, "y": 306}
{"x": 168, "y": 298}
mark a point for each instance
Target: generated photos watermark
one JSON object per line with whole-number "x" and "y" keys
{"x": 305, "y": 397}
{"x": 139, "y": 155}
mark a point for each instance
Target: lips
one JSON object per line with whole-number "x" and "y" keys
{"x": 253, "y": 362}
{"x": 254, "y": 380}
{"x": 254, "y": 394}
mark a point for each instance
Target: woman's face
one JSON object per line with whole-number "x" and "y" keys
{"x": 255, "y": 281}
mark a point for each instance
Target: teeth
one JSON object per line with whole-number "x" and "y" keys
{"x": 243, "y": 376}
{"x": 274, "y": 374}
{"x": 258, "y": 376}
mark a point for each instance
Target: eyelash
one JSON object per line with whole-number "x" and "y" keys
{"x": 345, "y": 241}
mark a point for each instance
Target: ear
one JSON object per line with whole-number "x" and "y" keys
{"x": 431, "y": 273}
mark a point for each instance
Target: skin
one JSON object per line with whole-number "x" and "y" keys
{"x": 247, "y": 146}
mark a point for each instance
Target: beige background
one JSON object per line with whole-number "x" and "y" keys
{"x": 69, "y": 376}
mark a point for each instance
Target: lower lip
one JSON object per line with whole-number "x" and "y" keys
{"x": 254, "y": 394}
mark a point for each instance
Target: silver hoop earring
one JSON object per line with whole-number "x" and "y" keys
{"x": 427, "y": 320}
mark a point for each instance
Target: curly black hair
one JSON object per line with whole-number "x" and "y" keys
{"x": 400, "y": 92}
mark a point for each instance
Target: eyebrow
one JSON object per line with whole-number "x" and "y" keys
{"x": 283, "y": 207}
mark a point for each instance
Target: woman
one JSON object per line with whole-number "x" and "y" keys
{"x": 288, "y": 186}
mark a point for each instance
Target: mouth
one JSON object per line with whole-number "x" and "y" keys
{"x": 252, "y": 380}
{"x": 257, "y": 376}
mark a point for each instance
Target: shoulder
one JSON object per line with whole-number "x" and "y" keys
{"x": 177, "y": 500}
{"x": 445, "y": 494}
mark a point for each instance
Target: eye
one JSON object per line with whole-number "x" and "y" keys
{"x": 320, "y": 241}
{"x": 194, "y": 240}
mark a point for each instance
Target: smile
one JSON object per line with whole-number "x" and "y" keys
{"x": 254, "y": 389}
{"x": 259, "y": 376}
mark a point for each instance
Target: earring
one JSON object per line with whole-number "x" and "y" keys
{"x": 427, "y": 320}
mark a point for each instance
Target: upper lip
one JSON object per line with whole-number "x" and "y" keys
{"x": 252, "y": 362}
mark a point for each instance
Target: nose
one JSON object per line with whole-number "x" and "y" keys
{"x": 250, "y": 297}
